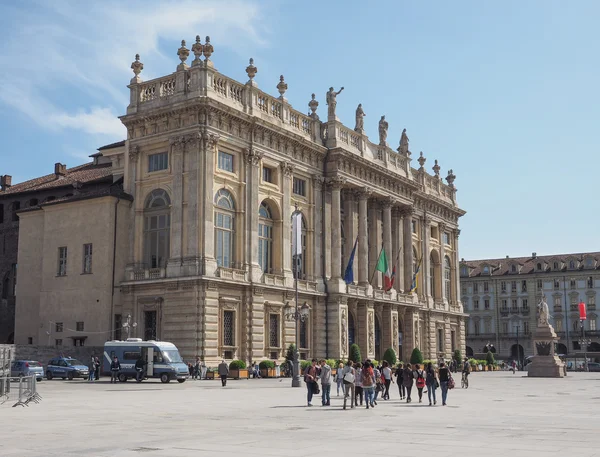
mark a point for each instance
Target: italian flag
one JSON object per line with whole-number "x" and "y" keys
{"x": 383, "y": 266}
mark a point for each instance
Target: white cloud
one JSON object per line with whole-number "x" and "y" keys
{"x": 84, "y": 50}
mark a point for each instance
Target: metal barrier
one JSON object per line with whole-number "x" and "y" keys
{"x": 27, "y": 391}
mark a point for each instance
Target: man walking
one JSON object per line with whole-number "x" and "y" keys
{"x": 223, "y": 372}
{"x": 115, "y": 367}
{"x": 310, "y": 378}
{"x": 325, "y": 376}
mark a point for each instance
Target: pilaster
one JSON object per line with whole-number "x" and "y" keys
{"x": 252, "y": 158}
{"x": 210, "y": 144}
{"x": 210, "y": 323}
{"x": 363, "y": 242}
{"x": 287, "y": 170}
{"x": 257, "y": 322}
{"x": 336, "y": 282}
{"x": 174, "y": 263}
{"x": 407, "y": 248}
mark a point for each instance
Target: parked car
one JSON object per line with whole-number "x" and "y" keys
{"x": 27, "y": 368}
{"x": 593, "y": 366}
{"x": 66, "y": 368}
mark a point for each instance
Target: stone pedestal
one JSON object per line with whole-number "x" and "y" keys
{"x": 545, "y": 364}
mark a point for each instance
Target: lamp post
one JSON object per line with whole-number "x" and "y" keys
{"x": 296, "y": 314}
{"x": 128, "y": 325}
{"x": 583, "y": 341}
{"x": 518, "y": 349}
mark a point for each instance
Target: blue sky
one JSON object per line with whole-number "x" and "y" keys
{"x": 504, "y": 93}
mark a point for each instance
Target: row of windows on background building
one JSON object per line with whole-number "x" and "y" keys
{"x": 487, "y": 327}
{"x": 557, "y": 285}
{"x": 86, "y": 261}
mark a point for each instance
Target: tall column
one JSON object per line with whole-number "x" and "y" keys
{"x": 374, "y": 245}
{"x": 397, "y": 244}
{"x": 349, "y": 230}
{"x": 131, "y": 187}
{"x": 441, "y": 230}
{"x": 287, "y": 170}
{"x": 407, "y": 248}
{"x": 211, "y": 140}
{"x": 363, "y": 243}
{"x": 456, "y": 264}
{"x": 252, "y": 157}
{"x": 317, "y": 186}
{"x": 425, "y": 234}
{"x": 387, "y": 232}
{"x": 174, "y": 263}
{"x": 387, "y": 329}
{"x": 366, "y": 329}
{"x": 193, "y": 153}
{"x": 337, "y": 285}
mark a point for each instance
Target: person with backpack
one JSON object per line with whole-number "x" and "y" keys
{"x": 431, "y": 382}
{"x": 401, "y": 388}
{"x": 348, "y": 376}
{"x": 420, "y": 377}
{"x": 358, "y": 390}
{"x": 407, "y": 380}
{"x": 368, "y": 384}
{"x": 444, "y": 375}
{"x": 379, "y": 386}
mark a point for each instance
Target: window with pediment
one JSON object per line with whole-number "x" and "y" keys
{"x": 224, "y": 228}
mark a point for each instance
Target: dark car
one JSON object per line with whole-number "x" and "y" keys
{"x": 66, "y": 368}
{"x": 27, "y": 368}
{"x": 593, "y": 366}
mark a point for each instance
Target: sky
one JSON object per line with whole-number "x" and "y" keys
{"x": 503, "y": 93}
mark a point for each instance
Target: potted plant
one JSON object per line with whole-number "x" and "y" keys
{"x": 390, "y": 356}
{"x": 267, "y": 368}
{"x": 416, "y": 357}
{"x": 238, "y": 370}
{"x": 211, "y": 373}
{"x": 355, "y": 353}
{"x": 489, "y": 358}
{"x": 304, "y": 364}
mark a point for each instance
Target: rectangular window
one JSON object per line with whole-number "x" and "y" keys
{"x": 87, "y": 258}
{"x": 16, "y": 206}
{"x": 475, "y": 288}
{"x": 440, "y": 340}
{"x": 590, "y": 283}
{"x": 475, "y": 304}
{"x": 505, "y": 305}
{"x": 504, "y": 328}
{"x": 274, "y": 330}
{"x": 131, "y": 355}
{"x": 556, "y": 284}
{"x": 592, "y": 324}
{"x": 574, "y": 303}
{"x": 80, "y": 326}
{"x": 267, "y": 174}
{"x": 503, "y": 286}
{"x": 157, "y": 162}
{"x": 514, "y": 304}
{"x": 29, "y": 340}
{"x": 228, "y": 328}
{"x": 524, "y": 303}
{"x": 524, "y": 286}
{"x": 486, "y": 303}
{"x": 446, "y": 238}
{"x": 414, "y": 226}
{"x": 573, "y": 284}
{"x": 463, "y": 290}
{"x": 58, "y": 342}
{"x": 591, "y": 300}
{"x": 526, "y": 327}
{"x": 540, "y": 284}
{"x": 303, "y": 334}
{"x": 513, "y": 286}
{"x": 559, "y": 325}
{"x": 486, "y": 287}
{"x": 1, "y": 213}
{"x": 299, "y": 186}
{"x": 62, "y": 261}
{"x": 225, "y": 161}
{"x": 118, "y": 326}
{"x": 557, "y": 302}
{"x": 58, "y": 327}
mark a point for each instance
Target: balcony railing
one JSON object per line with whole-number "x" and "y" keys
{"x": 231, "y": 273}
{"x": 147, "y": 273}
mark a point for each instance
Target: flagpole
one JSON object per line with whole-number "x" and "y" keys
{"x": 378, "y": 257}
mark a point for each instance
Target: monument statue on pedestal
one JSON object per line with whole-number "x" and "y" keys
{"x": 545, "y": 363}
{"x": 331, "y": 99}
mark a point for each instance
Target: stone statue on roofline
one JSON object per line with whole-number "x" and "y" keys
{"x": 332, "y": 102}
{"x": 383, "y": 131}
{"x": 360, "y": 122}
{"x": 404, "y": 142}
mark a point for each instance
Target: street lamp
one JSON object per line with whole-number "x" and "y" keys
{"x": 489, "y": 347}
{"x": 128, "y": 325}
{"x": 296, "y": 314}
{"x": 583, "y": 341}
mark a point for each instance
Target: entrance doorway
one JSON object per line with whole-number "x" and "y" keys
{"x": 150, "y": 325}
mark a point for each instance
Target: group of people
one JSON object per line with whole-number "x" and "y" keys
{"x": 94, "y": 369}
{"x": 364, "y": 383}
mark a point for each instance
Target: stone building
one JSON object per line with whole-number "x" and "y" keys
{"x": 501, "y": 296}
{"x": 216, "y": 169}
{"x": 63, "y": 183}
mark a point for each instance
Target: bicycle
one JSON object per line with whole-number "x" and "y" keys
{"x": 464, "y": 382}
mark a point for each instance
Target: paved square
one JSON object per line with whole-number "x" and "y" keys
{"x": 500, "y": 414}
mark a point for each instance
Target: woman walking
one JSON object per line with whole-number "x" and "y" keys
{"x": 401, "y": 388}
{"x": 348, "y": 376}
{"x": 358, "y": 389}
{"x": 420, "y": 377}
{"x": 431, "y": 381}
{"x": 407, "y": 380}
{"x": 339, "y": 379}
{"x": 92, "y": 369}
{"x": 387, "y": 379}
{"x": 368, "y": 385}
{"x": 444, "y": 378}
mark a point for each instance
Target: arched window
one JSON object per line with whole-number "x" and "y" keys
{"x": 265, "y": 238}
{"x": 157, "y": 225}
{"x": 571, "y": 265}
{"x": 447, "y": 278}
{"x": 224, "y": 228}
{"x": 539, "y": 266}
{"x": 302, "y": 274}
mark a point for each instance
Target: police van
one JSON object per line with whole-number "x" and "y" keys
{"x": 162, "y": 359}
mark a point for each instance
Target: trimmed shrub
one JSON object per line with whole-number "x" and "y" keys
{"x": 355, "y": 353}
{"x": 289, "y": 355}
{"x": 265, "y": 364}
{"x": 332, "y": 363}
{"x": 416, "y": 356}
{"x": 305, "y": 364}
{"x": 458, "y": 357}
{"x": 489, "y": 358}
{"x": 237, "y": 365}
{"x": 390, "y": 356}
{"x": 473, "y": 362}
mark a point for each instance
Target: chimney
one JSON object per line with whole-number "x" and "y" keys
{"x": 534, "y": 255}
{"x": 60, "y": 169}
{"x": 5, "y": 182}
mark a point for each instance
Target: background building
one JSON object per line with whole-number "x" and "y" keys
{"x": 215, "y": 169}
{"x": 501, "y": 297}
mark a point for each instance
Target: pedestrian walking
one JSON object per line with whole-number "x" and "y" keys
{"x": 420, "y": 381}
{"x": 431, "y": 381}
{"x": 348, "y": 377}
{"x": 197, "y": 368}
{"x": 444, "y": 375}
{"x": 97, "y": 368}
{"x": 407, "y": 380}
{"x": 339, "y": 379}
{"x": 310, "y": 378}
{"x": 368, "y": 385}
{"x": 379, "y": 387}
{"x": 92, "y": 369}
{"x": 223, "y": 372}
{"x": 387, "y": 379}
{"x": 115, "y": 367}
{"x": 325, "y": 377}
{"x": 358, "y": 389}
{"x": 401, "y": 388}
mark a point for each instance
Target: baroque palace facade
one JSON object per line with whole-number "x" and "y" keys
{"x": 501, "y": 297}
{"x": 215, "y": 169}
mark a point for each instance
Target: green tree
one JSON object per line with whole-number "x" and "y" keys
{"x": 489, "y": 358}
{"x": 458, "y": 357}
{"x": 416, "y": 356}
{"x": 390, "y": 356}
{"x": 290, "y": 352}
{"x": 355, "y": 353}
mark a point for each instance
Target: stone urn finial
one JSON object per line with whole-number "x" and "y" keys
{"x": 208, "y": 49}
{"x": 450, "y": 178}
{"x": 421, "y": 161}
{"x": 313, "y": 105}
{"x": 436, "y": 169}
{"x": 251, "y": 69}
{"x": 282, "y": 86}
{"x": 137, "y": 68}
{"x": 197, "y": 49}
{"x": 183, "y": 54}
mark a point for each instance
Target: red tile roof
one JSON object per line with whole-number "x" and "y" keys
{"x": 501, "y": 267}
{"x": 83, "y": 174}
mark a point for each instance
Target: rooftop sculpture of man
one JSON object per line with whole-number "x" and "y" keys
{"x": 404, "y": 142}
{"x": 360, "y": 123}
{"x": 383, "y": 128}
{"x": 331, "y": 101}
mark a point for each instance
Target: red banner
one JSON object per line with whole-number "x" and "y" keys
{"x": 582, "y": 313}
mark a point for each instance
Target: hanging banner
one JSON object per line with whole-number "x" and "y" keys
{"x": 582, "y": 312}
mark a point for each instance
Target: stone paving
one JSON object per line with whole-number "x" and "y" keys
{"x": 500, "y": 414}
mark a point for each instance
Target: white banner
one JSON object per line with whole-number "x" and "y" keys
{"x": 297, "y": 234}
